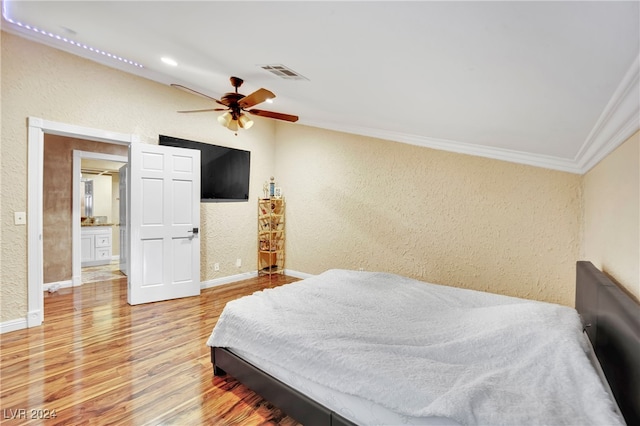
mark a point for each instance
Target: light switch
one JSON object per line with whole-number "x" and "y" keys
{"x": 20, "y": 218}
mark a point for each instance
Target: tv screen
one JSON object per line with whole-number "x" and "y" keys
{"x": 224, "y": 171}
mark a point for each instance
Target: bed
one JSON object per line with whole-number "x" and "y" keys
{"x": 349, "y": 347}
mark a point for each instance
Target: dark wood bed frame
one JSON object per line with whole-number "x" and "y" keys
{"x": 611, "y": 318}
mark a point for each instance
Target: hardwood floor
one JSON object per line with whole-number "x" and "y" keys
{"x": 97, "y": 360}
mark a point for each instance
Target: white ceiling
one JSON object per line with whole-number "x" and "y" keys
{"x": 553, "y": 84}
{"x": 100, "y": 166}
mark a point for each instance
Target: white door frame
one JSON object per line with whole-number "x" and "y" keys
{"x": 37, "y": 127}
{"x": 76, "y": 262}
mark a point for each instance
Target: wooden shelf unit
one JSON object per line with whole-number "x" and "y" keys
{"x": 271, "y": 236}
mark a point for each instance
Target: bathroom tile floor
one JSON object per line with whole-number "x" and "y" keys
{"x": 92, "y": 274}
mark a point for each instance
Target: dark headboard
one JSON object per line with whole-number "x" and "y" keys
{"x": 611, "y": 319}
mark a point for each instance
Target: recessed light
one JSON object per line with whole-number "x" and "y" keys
{"x": 169, "y": 61}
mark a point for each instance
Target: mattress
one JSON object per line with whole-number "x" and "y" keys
{"x": 358, "y": 410}
{"x": 392, "y": 350}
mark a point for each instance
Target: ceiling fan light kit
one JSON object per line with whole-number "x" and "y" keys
{"x": 225, "y": 119}
{"x": 245, "y": 122}
{"x": 233, "y": 125}
{"x": 236, "y": 105}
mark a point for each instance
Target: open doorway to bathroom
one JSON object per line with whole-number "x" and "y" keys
{"x": 100, "y": 205}
{"x": 59, "y": 268}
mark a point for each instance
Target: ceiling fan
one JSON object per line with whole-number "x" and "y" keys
{"x": 236, "y": 105}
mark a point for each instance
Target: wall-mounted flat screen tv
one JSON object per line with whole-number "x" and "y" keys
{"x": 224, "y": 171}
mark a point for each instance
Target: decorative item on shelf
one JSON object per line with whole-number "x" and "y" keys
{"x": 277, "y": 192}
{"x": 272, "y": 187}
{"x": 271, "y": 235}
{"x": 265, "y": 190}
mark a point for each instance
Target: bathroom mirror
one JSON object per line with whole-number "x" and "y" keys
{"x": 86, "y": 197}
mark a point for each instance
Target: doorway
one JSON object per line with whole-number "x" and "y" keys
{"x": 37, "y": 128}
{"x": 163, "y": 198}
{"x": 101, "y": 222}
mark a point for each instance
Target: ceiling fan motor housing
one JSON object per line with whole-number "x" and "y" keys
{"x": 229, "y": 99}
{"x": 236, "y": 82}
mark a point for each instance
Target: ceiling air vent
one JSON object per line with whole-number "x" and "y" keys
{"x": 283, "y": 72}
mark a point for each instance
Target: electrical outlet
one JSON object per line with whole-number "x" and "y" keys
{"x": 20, "y": 218}
{"x": 238, "y": 262}
{"x": 216, "y": 267}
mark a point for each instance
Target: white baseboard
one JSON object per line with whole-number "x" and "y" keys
{"x": 245, "y": 276}
{"x": 60, "y": 284}
{"x": 35, "y": 318}
{"x": 227, "y": 280}
{"x": 297, "y": 274}
{"x": 13, "y": 325}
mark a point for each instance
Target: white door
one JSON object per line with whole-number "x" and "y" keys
{"x": 122, "y": 228}
{"x": 164, "y": 218}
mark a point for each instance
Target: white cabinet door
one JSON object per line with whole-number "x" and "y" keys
{"x": 87, "y": 244}
{"x": 95, "y": 245}
{"x": 164, "y": 218}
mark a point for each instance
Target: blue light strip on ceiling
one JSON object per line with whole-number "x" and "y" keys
{"x": 5, "y": 15}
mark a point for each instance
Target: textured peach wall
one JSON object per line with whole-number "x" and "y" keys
{"x": 57, "y": 201}
{"x": 441, "y": 217}
{"x": 612, "y": 215}
{"x": 47, "y": 83}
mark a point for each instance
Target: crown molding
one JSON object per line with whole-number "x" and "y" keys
{"x": 530, "y": 159}
{"x": 619, "y": 120}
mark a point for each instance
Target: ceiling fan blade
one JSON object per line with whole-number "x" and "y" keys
{"x": 204, "y": 110}
{"x": 255, "y": 98}
{"x": 276, "y": 115}
{"x": 194, "y": 92}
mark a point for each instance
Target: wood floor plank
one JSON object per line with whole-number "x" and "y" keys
{"x": 97, "y": 360}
